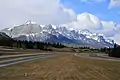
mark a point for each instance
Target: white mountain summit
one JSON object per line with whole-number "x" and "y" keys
{"x": 32, "y": 31}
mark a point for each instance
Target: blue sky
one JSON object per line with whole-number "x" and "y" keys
{"x": 100, "y": 9}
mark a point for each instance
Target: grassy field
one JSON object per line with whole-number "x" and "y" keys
{"x": 63, "y": 67}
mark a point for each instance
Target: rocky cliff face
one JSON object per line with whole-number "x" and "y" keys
{"x": 51, "y": 33}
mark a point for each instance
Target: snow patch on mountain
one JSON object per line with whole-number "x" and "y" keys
{"x": 51, "y": 33}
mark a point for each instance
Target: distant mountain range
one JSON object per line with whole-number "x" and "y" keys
{"x": 51, "y": 33}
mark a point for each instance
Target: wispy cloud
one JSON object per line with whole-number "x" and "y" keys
{"x": 92, "y": 1}
{"x": 114, "y": 3}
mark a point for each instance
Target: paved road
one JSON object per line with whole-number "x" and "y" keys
{"x": 20, "y": 55}
{"x": 25, "y": 59}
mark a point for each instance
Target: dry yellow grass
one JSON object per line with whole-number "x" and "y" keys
{"x": 63, "y": 67}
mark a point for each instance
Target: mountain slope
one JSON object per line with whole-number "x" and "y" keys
{"x": 51, "y": 33}
{"x": 3, "y": 36}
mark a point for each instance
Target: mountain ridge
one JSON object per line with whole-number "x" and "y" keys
{"x": 52, "y": 33}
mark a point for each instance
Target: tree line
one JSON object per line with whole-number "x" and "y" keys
{"x": 29, "y": 44}
{"x": 112, "y": 52}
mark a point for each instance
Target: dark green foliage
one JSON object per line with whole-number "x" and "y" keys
{"x": 112, "y": 52}
{"x": 115, "y": 51}
{"x": 106, "y": 50}
{"x": 29, "y": 44}
{"x": 57, "y": 45}
{"x": 6, "y": 42}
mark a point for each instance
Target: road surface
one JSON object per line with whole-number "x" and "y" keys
{"x": 20, "y": 55}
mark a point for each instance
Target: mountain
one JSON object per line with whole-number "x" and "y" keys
{"x": 3, "y": 36}
{"x": 51, "y": 33}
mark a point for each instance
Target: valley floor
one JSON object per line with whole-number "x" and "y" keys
{"x": 63, "y": 67}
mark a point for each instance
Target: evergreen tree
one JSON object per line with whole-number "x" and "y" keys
{"x": 115, "y": 51}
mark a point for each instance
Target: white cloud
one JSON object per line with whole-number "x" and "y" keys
{"x": 116, "y": 38}
{"x": 109, "y": 28}
{"x": 85, "y": 20}
{"x": 41, "y": 11}
{"x": 52, "y": 12}
{"x": 114, "y": 3}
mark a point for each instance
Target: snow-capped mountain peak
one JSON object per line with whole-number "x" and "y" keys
{"x": 85, "y": 31}
{"x": 30, "y": 22}
{"x": 51, "y": 33}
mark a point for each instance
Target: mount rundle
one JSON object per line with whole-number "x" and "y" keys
{"x": 50, "y": 33}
